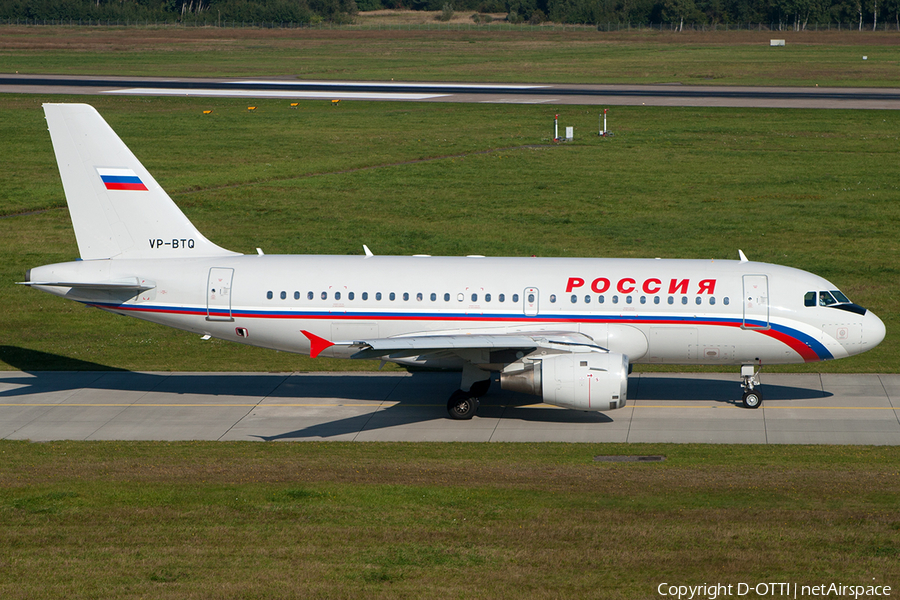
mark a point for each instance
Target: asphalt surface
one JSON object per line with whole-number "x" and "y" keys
{"x": 123, "y": 405}
{"x": 611, "y": 95}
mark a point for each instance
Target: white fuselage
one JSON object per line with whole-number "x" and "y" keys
{"x": 650, "y": 310}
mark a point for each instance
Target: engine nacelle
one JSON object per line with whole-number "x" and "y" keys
{"x": 589, "y": 381}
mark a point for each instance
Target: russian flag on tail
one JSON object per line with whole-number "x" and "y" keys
{"x": 121, "y": 179}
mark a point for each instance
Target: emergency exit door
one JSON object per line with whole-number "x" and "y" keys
{"x": 530, "y": 302}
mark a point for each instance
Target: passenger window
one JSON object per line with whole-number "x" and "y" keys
{"x": 684, "y": 299}
{"x": 460, "y": 297}
{"x": 587, "y": 299}
{"x": 324, "y": 295}
{"x": 392, "y": 296}
{"x": 378, "y": 295}
{"x": 698, "y": 300}
{"x": 487, "y": 297}
{"x": 365, "y": 295}
{"x": 433, "y": 296}
{"x": 809, "y": 299}
{"x": 552, "y": 298}
{"x": 350, "y": 296}
{"x": 501, "y": 297}
{"x": 615, "y": 299}
{"x": 296, "y": 295}
{"x": 574, "y": 298}
{"x": 725, "y": 300}
{"x": 601, "y": 299}
{"x": 268, "y": 295}
{"x": 655, "y": 299}
{"x": 310, "y": 295}
{"x": 337, "y": 295}
{"x": 419, "y": 296}
{"x": 474, "y": 297}
{"x": 515, "y": 298}
{"x": 627, "y": 299}
{"x": 406, "y": 296}
{"x": 712, "y": 299}
{"x": 283, "y": 295}
{"x": 446, "y": 297}
{"x": 643, "y": 299}
{"x": 671, "y": 300}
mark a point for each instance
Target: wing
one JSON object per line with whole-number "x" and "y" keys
{"x": 481, "y": 349}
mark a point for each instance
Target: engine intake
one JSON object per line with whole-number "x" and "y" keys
{"x": 589, "y": 381}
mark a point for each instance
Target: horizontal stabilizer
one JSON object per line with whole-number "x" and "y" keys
{"x": 135, "y": 284}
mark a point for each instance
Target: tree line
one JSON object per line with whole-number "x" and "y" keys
{"x": 781, "y": 14}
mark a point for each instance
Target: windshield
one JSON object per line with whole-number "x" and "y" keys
{"x": 834, "y": 298}
{"x": 823, "y": 298}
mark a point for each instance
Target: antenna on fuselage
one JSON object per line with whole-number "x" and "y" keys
{"x": 368, "y": 252}
{"x": 743, "y": 257}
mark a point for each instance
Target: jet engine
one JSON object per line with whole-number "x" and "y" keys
{"x": 587, "y": 381}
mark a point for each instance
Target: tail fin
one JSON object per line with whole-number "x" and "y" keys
{"x": 117, "y": 208}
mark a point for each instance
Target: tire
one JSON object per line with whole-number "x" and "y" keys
{"x": 752, "y": 399}
{"x": 462, "y": 405}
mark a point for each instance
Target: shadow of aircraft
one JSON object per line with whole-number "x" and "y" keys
{"x": 716, "y": 390}
{"x": 413, "y": 398}
{"x": 27, "y": 360}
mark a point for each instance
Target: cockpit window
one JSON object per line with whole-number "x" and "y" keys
{"x": 833, "y": 299}
{"x": 840, "y": 297}
{"x": 826, "y": 299}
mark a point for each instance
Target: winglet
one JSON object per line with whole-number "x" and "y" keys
{"x": 741, "y": 254}
{"x": 317, "y": 345}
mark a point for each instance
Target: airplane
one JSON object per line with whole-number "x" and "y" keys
{"x": 565, "y": 329}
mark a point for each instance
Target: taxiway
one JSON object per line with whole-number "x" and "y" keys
{"x": 662, "y": 407}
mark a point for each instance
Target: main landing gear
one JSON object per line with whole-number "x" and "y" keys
{"x": 750, "y": 375}
{"x": 463, "y": 405}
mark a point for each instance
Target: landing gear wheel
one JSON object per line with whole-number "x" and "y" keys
{"x": 462, "y": 405}
{"x": 752, "y": 399}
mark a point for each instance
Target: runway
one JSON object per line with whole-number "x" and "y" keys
{"x": 662, "y": 407}
{"x": 491, "y": 93}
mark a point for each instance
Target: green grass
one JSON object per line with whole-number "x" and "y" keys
{"x": 724, "y": 58}
{"x": 335, "y": 520}
{"x": 812, "y": 189}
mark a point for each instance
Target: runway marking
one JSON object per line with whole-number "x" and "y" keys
{"x": 388, "y": 84}
{"x": 299, "y": 93}
{"x": 512, "y": 101}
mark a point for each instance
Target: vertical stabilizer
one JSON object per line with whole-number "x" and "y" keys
{"x": 117, "y": 208}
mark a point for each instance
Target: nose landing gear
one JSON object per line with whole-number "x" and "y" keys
{"x": 752, "y": 398}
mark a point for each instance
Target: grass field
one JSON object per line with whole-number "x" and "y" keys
{"x": 333, "y": 520}
{"x": 816, "y": 190}
{"x": 811, "y": 189}
{"x": 722, "y": 58}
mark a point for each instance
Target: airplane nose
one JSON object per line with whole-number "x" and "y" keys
{"x": 873, "y": 330}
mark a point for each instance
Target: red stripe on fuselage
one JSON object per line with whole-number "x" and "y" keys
{"x": 802, "y": 349}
